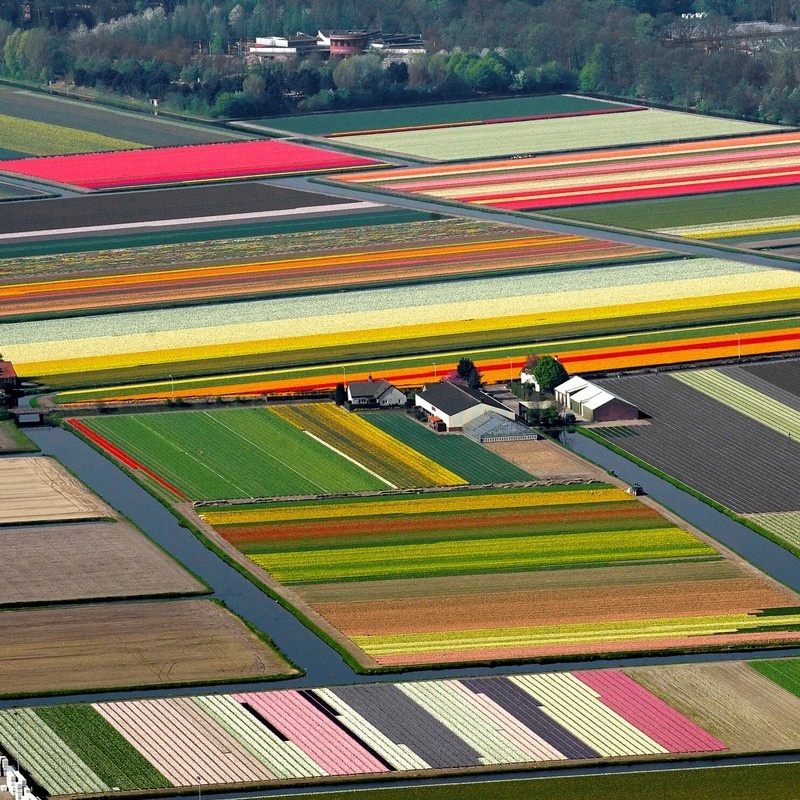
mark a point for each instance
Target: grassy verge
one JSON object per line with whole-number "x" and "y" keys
{"x": 13, "y": 440}
{"x": 756, "y": 782}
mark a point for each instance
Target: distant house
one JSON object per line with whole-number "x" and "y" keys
{"x": 374, "y": 393}
{"x": 455, "y": 405}
{"x": 592, "y": 402}
{"x": 9, "y": 382}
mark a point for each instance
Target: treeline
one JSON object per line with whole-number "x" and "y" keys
{"x": 191, "y": 55}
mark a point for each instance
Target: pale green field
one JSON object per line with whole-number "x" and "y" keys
{"x": 553, "y": 135}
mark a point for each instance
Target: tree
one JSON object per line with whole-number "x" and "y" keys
{"x": 339, "y": 395}
{"x": 549, "y": 373}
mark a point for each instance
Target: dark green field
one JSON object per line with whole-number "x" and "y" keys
{"x": 438, "y": 114}
{"x": 232, "y": 453}
{"x": 785, "y": 672}
{"x": 463, "y": 456}
{"x": 699, "y": 210}
{"x": 759, "y": 782}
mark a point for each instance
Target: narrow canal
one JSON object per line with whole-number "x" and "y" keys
{"x": 321, "y": 663}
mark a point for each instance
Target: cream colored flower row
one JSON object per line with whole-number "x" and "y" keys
{"x": 739, "y": 227}
{"x": 40, "y": 356}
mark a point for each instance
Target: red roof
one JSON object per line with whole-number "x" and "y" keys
{"x": 7, "y": 371}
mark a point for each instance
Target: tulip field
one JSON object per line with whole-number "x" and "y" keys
{"x": 309, "y": 262}
{"x": 311, "y": 735}
{"x": 187, "y": 164}
{"x": 394, "y": 322}
{"x": 467, "y": 576}
{"x": 604, "y": 176}
{"x": 284, "y": 450}
{"x": 559, "y": 134}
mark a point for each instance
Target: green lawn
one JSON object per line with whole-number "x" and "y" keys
{"x": 232, "y": 453}
{"x": 758, "y": 782}
{"x": 463, "y": 456}
{"x": 699, "y": 210}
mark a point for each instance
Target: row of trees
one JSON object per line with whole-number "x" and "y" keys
{"x": 191, "y": 54}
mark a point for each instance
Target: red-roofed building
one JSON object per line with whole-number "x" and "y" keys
{"x": 9, "y": 382}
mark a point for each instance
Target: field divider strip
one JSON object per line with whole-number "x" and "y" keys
{"x": 164, "y": 223}
{"x": 350, "y": 459}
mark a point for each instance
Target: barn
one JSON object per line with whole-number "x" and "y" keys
{"x": 456, "y": 405}
{"x": 593, "y": 403}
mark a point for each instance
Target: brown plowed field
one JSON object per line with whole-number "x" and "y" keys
{"x": 505, "y": 609}
{"x": 547, "y": 460}
{"x": 542, "y": 580}
{"x": 37, "y": 489}
{"x": 76, "y": 648}
{"x": 763, "y": 717}
{"x": 49, "y": 563}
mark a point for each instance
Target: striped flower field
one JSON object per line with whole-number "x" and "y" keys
{"x": 603, "y": 176}
{"x": 397, "y": 321}
{"x": 60, "y": 285}
{"x": 468, "y": 576}
{"x": 296, "y": 736}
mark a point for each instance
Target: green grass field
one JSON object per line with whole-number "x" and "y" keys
{"x": 463, "y": 456}
{"x": 698, "y": 210}
{"x": 437, "y": 114}
{"x": 221, "y": 454}
{"x": 785, "y": 672}
{"x": 749, "y": 782}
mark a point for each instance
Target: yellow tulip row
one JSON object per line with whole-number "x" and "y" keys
{"x": 419, "y": 504}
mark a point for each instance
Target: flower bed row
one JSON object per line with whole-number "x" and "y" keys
{"x": 187, "y": 164}
{"x": 256, "y": 738}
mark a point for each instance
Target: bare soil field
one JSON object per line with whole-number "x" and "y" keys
{"x": 783, "y": 374}
{"x": 76, "y": 648}
{"x": 49, "y": 563}
{"x": 157, "y": 204}
{"x": 37, "y": 489}
{"x": 505, "y": 609}
{"x": 547, "y": 460}
{"x": 727, "y": 456}
{"x": 552, "y": 580}
{"x": 764, "y": 716}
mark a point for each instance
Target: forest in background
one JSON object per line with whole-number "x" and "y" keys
{"x": 191, "y": 56}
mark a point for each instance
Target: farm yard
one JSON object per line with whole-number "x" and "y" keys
{"x": 562, "y": 134}
{"x": 745, "y": 452}
{"x": 575, "y": 570}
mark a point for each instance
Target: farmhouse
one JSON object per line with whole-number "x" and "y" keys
{"x": 457, "y": 405}
{"x": 337, "y": 43}
{"x": 374, "y": 393}
{"x": 592, "y": 402}
{"x": 9, "y": 382}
